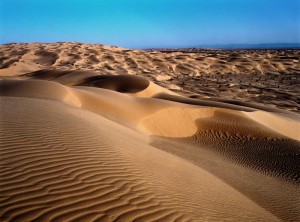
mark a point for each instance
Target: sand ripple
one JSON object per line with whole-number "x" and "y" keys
{"x": 260, "y": 76}
{"x": 89, "y": 146}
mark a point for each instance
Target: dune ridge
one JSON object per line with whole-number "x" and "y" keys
{"x": 87, "y": 146}
{"x": 260, "y": 76}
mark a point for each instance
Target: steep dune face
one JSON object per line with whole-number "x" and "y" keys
{"x": 260, "y": 76}
{"x": 77, "y": 165}
{"x": 85, "y": 146}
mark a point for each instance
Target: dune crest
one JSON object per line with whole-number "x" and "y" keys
{"x": 87, "y": 146}
{"x": 256, "y": 76}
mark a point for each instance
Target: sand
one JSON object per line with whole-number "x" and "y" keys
{"x": 269, "y": 77}
{"x": 81, "y": 142}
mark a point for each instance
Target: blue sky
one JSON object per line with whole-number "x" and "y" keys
{"x": 151, "y": 23}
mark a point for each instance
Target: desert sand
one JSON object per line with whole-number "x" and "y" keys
{"x": 101, "y": 133}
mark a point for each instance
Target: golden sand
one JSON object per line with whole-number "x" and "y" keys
{"x": 94, "y": 146}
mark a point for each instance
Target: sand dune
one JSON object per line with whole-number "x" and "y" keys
{"x": 89, "y": 146}
{"x": 261, "y": 76}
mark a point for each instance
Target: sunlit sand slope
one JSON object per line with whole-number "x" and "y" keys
{"x": 79, "y": 146}
{"x": 260, "y": 76}
{"x": 186, "y": 136}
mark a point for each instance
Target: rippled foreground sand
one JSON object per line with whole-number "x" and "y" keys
{"x": 81, "y": 143}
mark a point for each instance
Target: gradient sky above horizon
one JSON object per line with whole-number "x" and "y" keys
{"x": 151, "y": 23}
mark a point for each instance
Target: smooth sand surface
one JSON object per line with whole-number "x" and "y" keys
{"x": 84, "y": 145}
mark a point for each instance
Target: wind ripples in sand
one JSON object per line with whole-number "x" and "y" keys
{"x": 84, "y": 146}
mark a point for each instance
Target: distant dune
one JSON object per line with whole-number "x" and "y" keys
{"x": 256, "y": 46}
{"x": 267, "y": 77}
{"x": 100, "y": 133}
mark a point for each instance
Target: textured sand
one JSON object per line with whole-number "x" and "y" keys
{"x": 92, "y": 146}
{"x": 268, "y": 77}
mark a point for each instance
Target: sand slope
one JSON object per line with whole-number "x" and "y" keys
{"x": 85, "y": 146}
{"x": 81, "y": 166}
{"x": 261, "y": 76}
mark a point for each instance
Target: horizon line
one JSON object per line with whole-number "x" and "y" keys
{"x": 275, "y": 45}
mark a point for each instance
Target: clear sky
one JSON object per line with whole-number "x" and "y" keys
{"x": 151, "y": 23}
